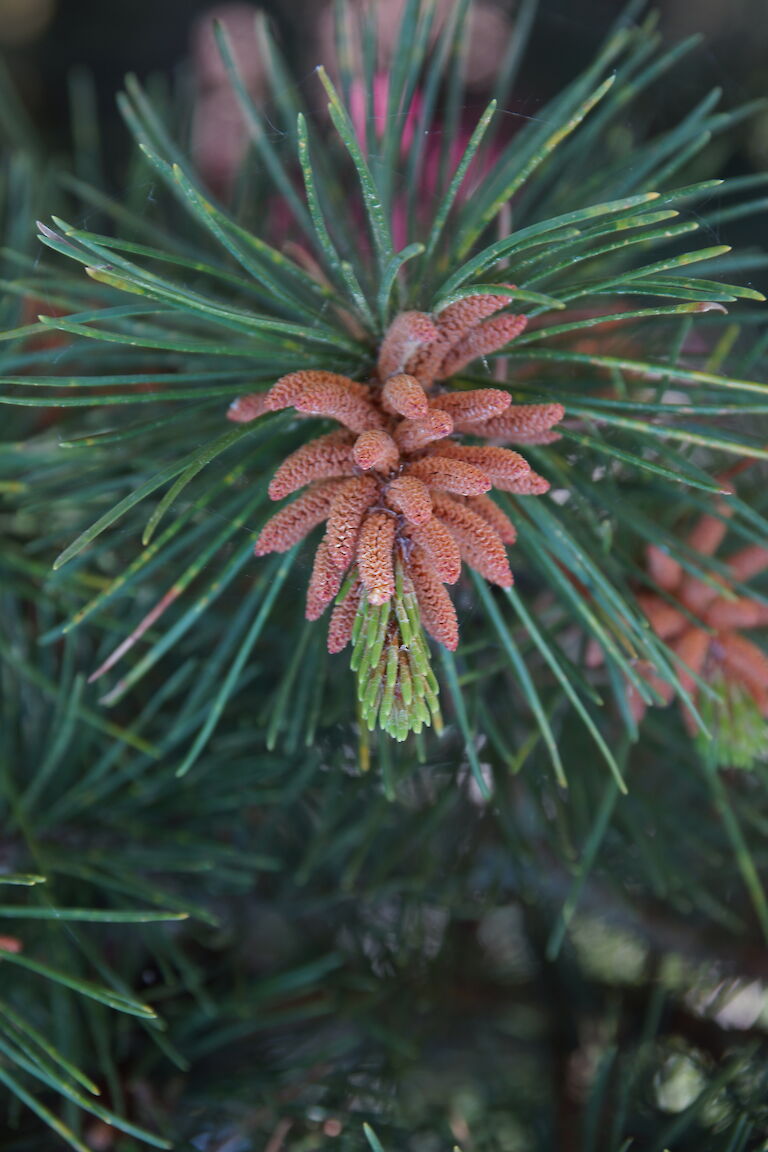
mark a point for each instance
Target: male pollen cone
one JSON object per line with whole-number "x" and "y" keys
{"x": 395, "y": 486}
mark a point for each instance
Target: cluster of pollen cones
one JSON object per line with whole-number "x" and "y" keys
{"x": 702, "y": 621}
{"x": 403, "y": 500}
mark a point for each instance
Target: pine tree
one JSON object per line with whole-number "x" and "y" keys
{"x": 491, "y": 887}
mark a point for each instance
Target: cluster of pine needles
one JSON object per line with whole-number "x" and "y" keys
{"x": 256, "y": 899}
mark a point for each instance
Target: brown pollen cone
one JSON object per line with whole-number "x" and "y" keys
{"x": 703, "y": 626}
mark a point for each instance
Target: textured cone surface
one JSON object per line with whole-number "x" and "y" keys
{"x": 521, "y": 422}
{"x": 407, "y": 333}
{"x": 481, "y": 546}
{"x": 504, "y": 468}
{"x": 290, "y": 525}
{"x": 247, "y": 408}
{"x": 321, "y": 459}
{"x": 411, "y": 497}
{"x": 343, "y": 619}
{"x": 403, "y": 394}
{"x": 375, "y": 560}
{"x": 375, "y": 450}
{"x": 348, "y": 507}
{"x": 440, "y": 545}
{"x": 325, "y": 394}
{"x": 324, "y": 582}
{"x": 487, "y": 508}
{"x": 413, "y": 435}
{"x": 468, "y": 408}
{"x": 451, "y": 475}
{"x": 437, "y": 611}
{"x": 455, "y": 320}
{"x": 489, "y": 337}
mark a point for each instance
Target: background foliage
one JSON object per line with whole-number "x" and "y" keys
{"x": 229, "y": 933}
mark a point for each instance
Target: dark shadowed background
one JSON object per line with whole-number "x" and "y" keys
{"x": 44, "y": 40}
